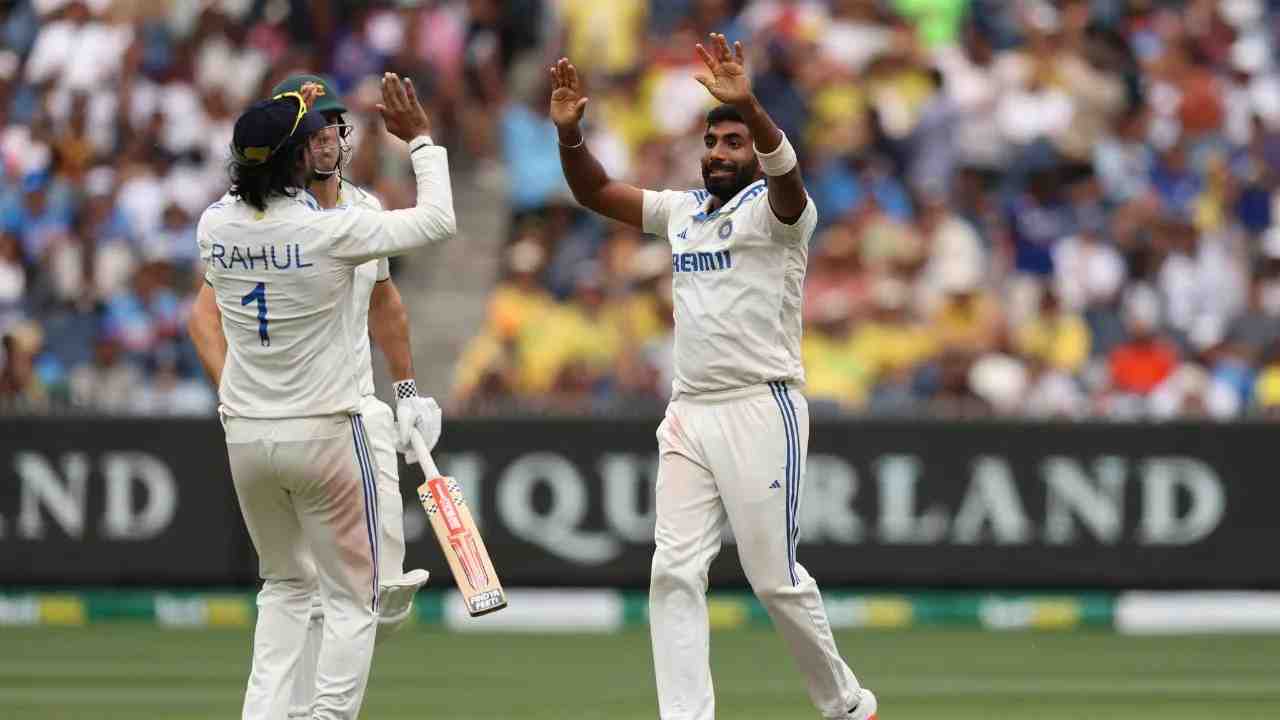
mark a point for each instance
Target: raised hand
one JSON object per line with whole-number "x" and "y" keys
{"x": 400, "y": 109}
{"x": 726, "y": 74}
{"x": 567, "y": 101}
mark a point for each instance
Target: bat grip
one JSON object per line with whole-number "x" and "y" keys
{"x": 424, "y": 455}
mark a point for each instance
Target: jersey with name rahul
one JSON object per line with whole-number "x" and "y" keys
{"x": 737, "y": 286}
{"x": 285, "y": 280}
{"x": 366, "y": 276}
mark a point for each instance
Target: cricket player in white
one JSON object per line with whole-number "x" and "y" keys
{"x": 283, "y": 273}
{"x": 733, "y": 443}
{"x": 382, "y": 317}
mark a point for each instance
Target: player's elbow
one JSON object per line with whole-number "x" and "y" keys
{"x": 449, "y": 225}
{"x": 420, "y": 228}
{"x": 444, "y": 226}
{"x": 589, "y": 198}
{"x": 198, "y": 324}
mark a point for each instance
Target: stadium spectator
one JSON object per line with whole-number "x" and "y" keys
{"x": 836, "y": 378}
{"x": 836, "y": 269}
{"x": 106, "y": 383}
{"x": 1053, "y": 394}
{"x": 13, "y": 281}
{"x": 530, "y": 156}
{"x": 1055, "y": 336}
{"x": 20, "y": 386}
{"x": 895, "y": 345}
{"x": 968, "y": 318}
{"x": 1266, "y": 391}
{"x": 1139, "y": 365}
{"x": 951, "y": 248}
{"x": 1258, "y": 327}
{"x": 1088, "y": 271}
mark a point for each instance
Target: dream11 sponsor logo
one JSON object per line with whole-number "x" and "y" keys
{"x": 51, "y": 497}
{"x": 1181, "y": 501}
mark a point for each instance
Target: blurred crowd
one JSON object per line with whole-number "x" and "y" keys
{"x": 1027, "y": 208}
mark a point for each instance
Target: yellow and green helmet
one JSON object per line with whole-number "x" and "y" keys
{"x": 329, "y": 102}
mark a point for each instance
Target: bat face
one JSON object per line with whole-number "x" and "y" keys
{"x": 463, "y": 547}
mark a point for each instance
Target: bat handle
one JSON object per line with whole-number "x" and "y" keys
{"x": 424, "y": 455}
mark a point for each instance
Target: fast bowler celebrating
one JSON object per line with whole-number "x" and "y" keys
{"x": 283, "y": 274}
{"x": 733, "y": 443}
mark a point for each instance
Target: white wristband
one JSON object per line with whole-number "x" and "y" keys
{"x": 779, "y": 162}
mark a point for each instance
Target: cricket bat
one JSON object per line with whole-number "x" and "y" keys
{"x": 459, "y": 538}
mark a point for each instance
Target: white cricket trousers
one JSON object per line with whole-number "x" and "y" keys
{"x": 306, "y": 488}
{"x": 737, "y": 456}
{"x": 380, "y": 428}
{"x": 380, "y": 424}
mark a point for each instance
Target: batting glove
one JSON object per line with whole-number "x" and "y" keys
{"x": 414, "y": 412}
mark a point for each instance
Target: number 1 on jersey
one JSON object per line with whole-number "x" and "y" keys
{"x": 259, "y": 293}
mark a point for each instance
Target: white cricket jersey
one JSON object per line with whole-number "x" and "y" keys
{"x": 738, "y": 285}
{"x": 367, "y": 275}
{"x": 285, "y": 279}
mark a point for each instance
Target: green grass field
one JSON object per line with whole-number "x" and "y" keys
{"x": 134, "y": 671}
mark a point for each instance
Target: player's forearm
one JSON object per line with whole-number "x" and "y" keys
{"x": 584, "y": 173}
{"x": 764, "y": 132}
{"x": 205, "y": 329}
{"x": 433, "y": 213}
{"x": 787, "y": 195}
{"x": 389, "y": 328}
{"x": 212, "y": 352}
{"x": 593, "y": 188}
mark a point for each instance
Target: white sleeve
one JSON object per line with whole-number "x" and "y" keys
{"x": 656, "y": 211}
{"x": 369, "y": 201}
{"x": 202, "y": 237}
{"x": 799, "y": 231}
{"x": 360, "y": 235}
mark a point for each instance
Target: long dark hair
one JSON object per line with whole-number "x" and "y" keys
{"x": 256, "y": 184}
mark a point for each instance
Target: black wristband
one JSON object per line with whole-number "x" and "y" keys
{"x": 405, "y": 389}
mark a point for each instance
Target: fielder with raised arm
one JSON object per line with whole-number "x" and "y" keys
{"x": 733, "y": 443}
{"x": 380, "y": 315}
{"x": 283, "y": 274}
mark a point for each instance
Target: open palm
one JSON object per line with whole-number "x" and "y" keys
{"x": 726, "y": 74}
{"x": 567, "y": 101}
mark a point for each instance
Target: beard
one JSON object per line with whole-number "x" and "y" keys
{"x": 725, "y": 187}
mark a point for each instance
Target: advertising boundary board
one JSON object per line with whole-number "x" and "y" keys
{"x": 569, "y": 503}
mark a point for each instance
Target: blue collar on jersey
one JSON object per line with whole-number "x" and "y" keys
{"x": 743, "y": 195}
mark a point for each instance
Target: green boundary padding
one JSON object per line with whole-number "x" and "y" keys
{"x": 429, "y": 608}
{"x": 635, "y": 609}
{"x": 878, "y": 609}
{"x": 120, "y": 605}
